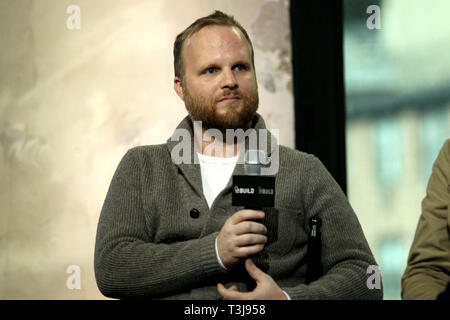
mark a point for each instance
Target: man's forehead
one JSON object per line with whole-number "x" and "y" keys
{"x": 215, "y": 35}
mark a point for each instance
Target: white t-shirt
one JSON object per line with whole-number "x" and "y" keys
{"x": 216, "y": 172}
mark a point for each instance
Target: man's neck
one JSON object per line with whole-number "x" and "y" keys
{"x": 224, "y": 151}
{"x": 214, "y": 143}
{"x": 213, "y": 147}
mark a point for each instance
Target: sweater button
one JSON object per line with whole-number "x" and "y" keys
{"x": 194, "y": 213}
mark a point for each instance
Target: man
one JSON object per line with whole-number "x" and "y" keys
{"x": 427, "y": 274}
{"x": 167, "y": 229}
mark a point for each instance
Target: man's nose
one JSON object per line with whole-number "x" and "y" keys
{"x": 229, "y": 80}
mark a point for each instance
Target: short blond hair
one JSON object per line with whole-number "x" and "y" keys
{"x": 217, "y": 18}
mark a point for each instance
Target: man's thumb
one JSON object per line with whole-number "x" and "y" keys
{"x": 253, "y": 270}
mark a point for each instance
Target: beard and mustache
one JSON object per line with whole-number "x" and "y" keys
{"x": 235, "y": 117}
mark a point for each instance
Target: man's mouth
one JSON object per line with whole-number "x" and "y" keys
{"x": 230, "y": 98}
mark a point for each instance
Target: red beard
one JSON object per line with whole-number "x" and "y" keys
{"x": 235, "y": 116}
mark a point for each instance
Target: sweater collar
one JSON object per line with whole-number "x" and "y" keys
{"x": 183, "y": 154}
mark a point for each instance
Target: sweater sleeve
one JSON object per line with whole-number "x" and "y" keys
{"x": 127, "y": 263}
{"x": 346, "y": 255}
{"x": 428, "y": 269}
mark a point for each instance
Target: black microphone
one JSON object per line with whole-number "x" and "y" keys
{"x": 253, "y": 191}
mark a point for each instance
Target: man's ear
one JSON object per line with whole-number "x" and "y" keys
{"x": 178, "y": 86}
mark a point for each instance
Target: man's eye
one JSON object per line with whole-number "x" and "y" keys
{"x": 210, "y": 70}
{"x": 240, "y": 67}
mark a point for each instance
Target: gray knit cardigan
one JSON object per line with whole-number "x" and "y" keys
{"x": 149, "y": 244}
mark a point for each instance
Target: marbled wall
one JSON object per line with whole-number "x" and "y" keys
{"x": 73, "y": 101}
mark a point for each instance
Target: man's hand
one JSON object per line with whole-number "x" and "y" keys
{"x": 266, "y": 288}
{"x": 240, "y": 238}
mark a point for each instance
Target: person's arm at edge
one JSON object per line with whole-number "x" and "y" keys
{"x": 426, "y": 274}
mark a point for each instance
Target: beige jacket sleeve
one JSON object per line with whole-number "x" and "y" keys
{"x": 428, "y": 270}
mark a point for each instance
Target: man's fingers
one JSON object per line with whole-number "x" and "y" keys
{"x": 233, "y": 288}
{"x": 250, "y": 227}
{"x": 254, "y": 271}
{"x": 243, "y": 215}
{"x": 250, "y": 239}
{"x": 266, "y": 288}
{"x": 231, "y": 293}
{"x": 244, "y": 252}
{"x": 239, "y": 233}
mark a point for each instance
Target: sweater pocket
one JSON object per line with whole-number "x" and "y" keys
{"x": 283, "y": 227}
